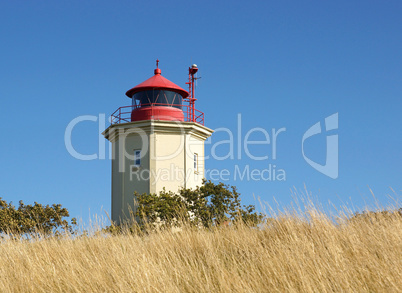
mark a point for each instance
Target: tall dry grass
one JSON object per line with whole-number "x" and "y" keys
{"x": 290, "y": 254}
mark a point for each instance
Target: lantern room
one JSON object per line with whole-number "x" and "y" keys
{"x": 157, "y": 98}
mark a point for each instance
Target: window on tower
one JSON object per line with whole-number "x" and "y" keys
{"x": 195, "y": 162}
{"x": 137, "y": 157}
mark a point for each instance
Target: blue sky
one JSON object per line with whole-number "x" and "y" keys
{"x": 279, "y": 64}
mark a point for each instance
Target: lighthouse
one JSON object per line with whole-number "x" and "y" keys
{"x": 157, "y": 142}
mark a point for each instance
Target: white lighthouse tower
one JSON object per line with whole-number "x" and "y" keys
{"x": 157, "y": 142}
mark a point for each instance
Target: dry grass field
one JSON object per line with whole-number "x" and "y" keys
{"x": 308, "y": 253}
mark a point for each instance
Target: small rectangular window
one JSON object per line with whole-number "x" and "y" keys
{"x": 195, "y": 162}
{"x": 137, "y": 157}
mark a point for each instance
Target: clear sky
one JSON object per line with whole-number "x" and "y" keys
{"x": 277, "y": 64}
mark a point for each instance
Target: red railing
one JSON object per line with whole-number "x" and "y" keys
{"x": 123, "y": 114}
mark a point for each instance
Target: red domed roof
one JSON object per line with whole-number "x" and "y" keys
{"x": 157, "y": 81}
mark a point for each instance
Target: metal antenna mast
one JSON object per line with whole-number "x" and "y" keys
{"x": 191, "y": 79}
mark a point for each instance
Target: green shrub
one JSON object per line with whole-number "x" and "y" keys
{"x": 207, "y": 206}
{"x": 33, "y": 219}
